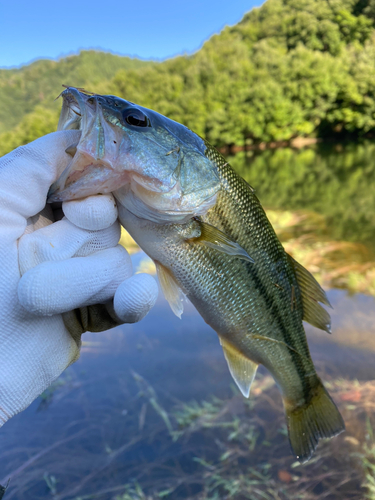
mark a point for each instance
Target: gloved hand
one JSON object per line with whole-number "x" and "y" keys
{"x": 52, "y": 273}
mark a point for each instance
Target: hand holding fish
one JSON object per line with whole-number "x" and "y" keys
{"x": 58, "y": 279}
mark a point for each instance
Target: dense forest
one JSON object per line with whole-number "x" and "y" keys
{"x": 291, "y": 68}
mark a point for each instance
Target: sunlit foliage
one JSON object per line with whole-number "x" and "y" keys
{"x": 290, "y": 68}
{"x": 39, "y": 83}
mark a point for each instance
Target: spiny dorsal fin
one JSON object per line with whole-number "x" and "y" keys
{"x": 242, "y": 369}
{"x": 172, "y": 292}
{"x": 216, "y": 239}
{"x": 312, "y": 294}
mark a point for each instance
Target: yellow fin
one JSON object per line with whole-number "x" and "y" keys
{"x": 216, "y": 239}
{"x": 312, "y": 294}
{"x": 172, "y": 291}
{"x": 317, "y": 419}
{"x": 242, "y": 369}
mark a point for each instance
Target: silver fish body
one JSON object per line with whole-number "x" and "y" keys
{"x": 211, "y": 241}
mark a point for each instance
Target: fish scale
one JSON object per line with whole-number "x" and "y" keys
{"x": 211, "y": 241}
{"x": 254, "y": 290}
{"x": 240, "y": 299}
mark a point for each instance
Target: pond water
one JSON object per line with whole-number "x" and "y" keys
{"x": 150, "y": 411}
{"x": 335, "y": 180}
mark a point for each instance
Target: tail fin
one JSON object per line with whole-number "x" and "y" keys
{"x": 319, "y": 418}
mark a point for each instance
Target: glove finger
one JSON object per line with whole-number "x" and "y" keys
{"x": 57, "y": 287}
{"x": 63, "y": 240}
{"x": 135, "y": 297}
{"x": 133, "y": 300}
{"x": 26, "y": 175}
{"x": 93, "y": 213}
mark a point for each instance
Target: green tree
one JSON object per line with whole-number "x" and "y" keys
{"x": 289, "y": 68}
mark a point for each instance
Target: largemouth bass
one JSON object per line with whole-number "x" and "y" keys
{"x": 211, "y": 241}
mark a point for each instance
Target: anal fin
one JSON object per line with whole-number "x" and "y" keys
{"x": 171, "y": 290}
{"x": 312, "y": 293}
{"x": 242, "y": 369}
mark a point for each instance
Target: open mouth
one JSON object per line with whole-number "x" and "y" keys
{"x": 88, "y": 172}
{"x": 76, "y": 105}
{"x": 103, "y": 160}
{"x": 144, "y": 164}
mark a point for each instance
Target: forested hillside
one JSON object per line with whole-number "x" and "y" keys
{"x": 21, "y": 90}
{"x": 290, "y": 68}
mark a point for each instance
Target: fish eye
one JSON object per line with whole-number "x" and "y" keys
{"x": 136, "y": 118}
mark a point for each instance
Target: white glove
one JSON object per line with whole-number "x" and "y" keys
{"x": 52, "y": 274}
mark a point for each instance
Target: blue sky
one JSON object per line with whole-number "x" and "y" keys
{"x": 143, "y": 28}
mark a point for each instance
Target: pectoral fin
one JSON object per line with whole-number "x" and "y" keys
{"x": 216, "y": 239}
{"x": 172, "y": 292}
{"x": 312, "y": 294}
{"x": 242, "y": 369}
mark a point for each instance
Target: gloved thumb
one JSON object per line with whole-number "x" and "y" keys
{"x": 27, "y": 173}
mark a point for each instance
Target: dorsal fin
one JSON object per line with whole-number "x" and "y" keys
{"x": 172, "y": 292}
{"x": 312, "y": 293}
{"x": 242, "y": 369}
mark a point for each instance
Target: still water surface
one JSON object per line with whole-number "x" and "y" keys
{"x": 150, "y": 411}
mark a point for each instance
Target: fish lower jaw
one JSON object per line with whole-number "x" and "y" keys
{"x": 136, "y": 206}
{"x": 95, "y": 178}
{"x": 161, "y": 208}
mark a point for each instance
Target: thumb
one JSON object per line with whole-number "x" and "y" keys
{"x": 27, "y": 173}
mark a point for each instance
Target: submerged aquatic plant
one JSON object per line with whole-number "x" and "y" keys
{"x": 215, "y": 449}
{"x": 51, "y": 483}
{"x": 3, "y": 489}
{"x": 367, "y": 456}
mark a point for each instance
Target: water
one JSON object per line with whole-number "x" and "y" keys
{"x": 337, "y": 181}
{"x": 150, "y": 411}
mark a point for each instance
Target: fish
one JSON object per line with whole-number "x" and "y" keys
{"x": 212, "y": 243}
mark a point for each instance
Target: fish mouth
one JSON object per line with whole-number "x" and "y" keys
{"x": 95, "y": 167}
{"x": 111, "y": 156}
{"x": 72, "y": 109}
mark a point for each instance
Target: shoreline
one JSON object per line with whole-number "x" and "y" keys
{"x": 296, "y": 143}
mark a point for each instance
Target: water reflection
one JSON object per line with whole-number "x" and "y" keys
{"x": 153, "y": 404}
{"x": 337, "y": 181}
{"x": 150, "y": 410}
